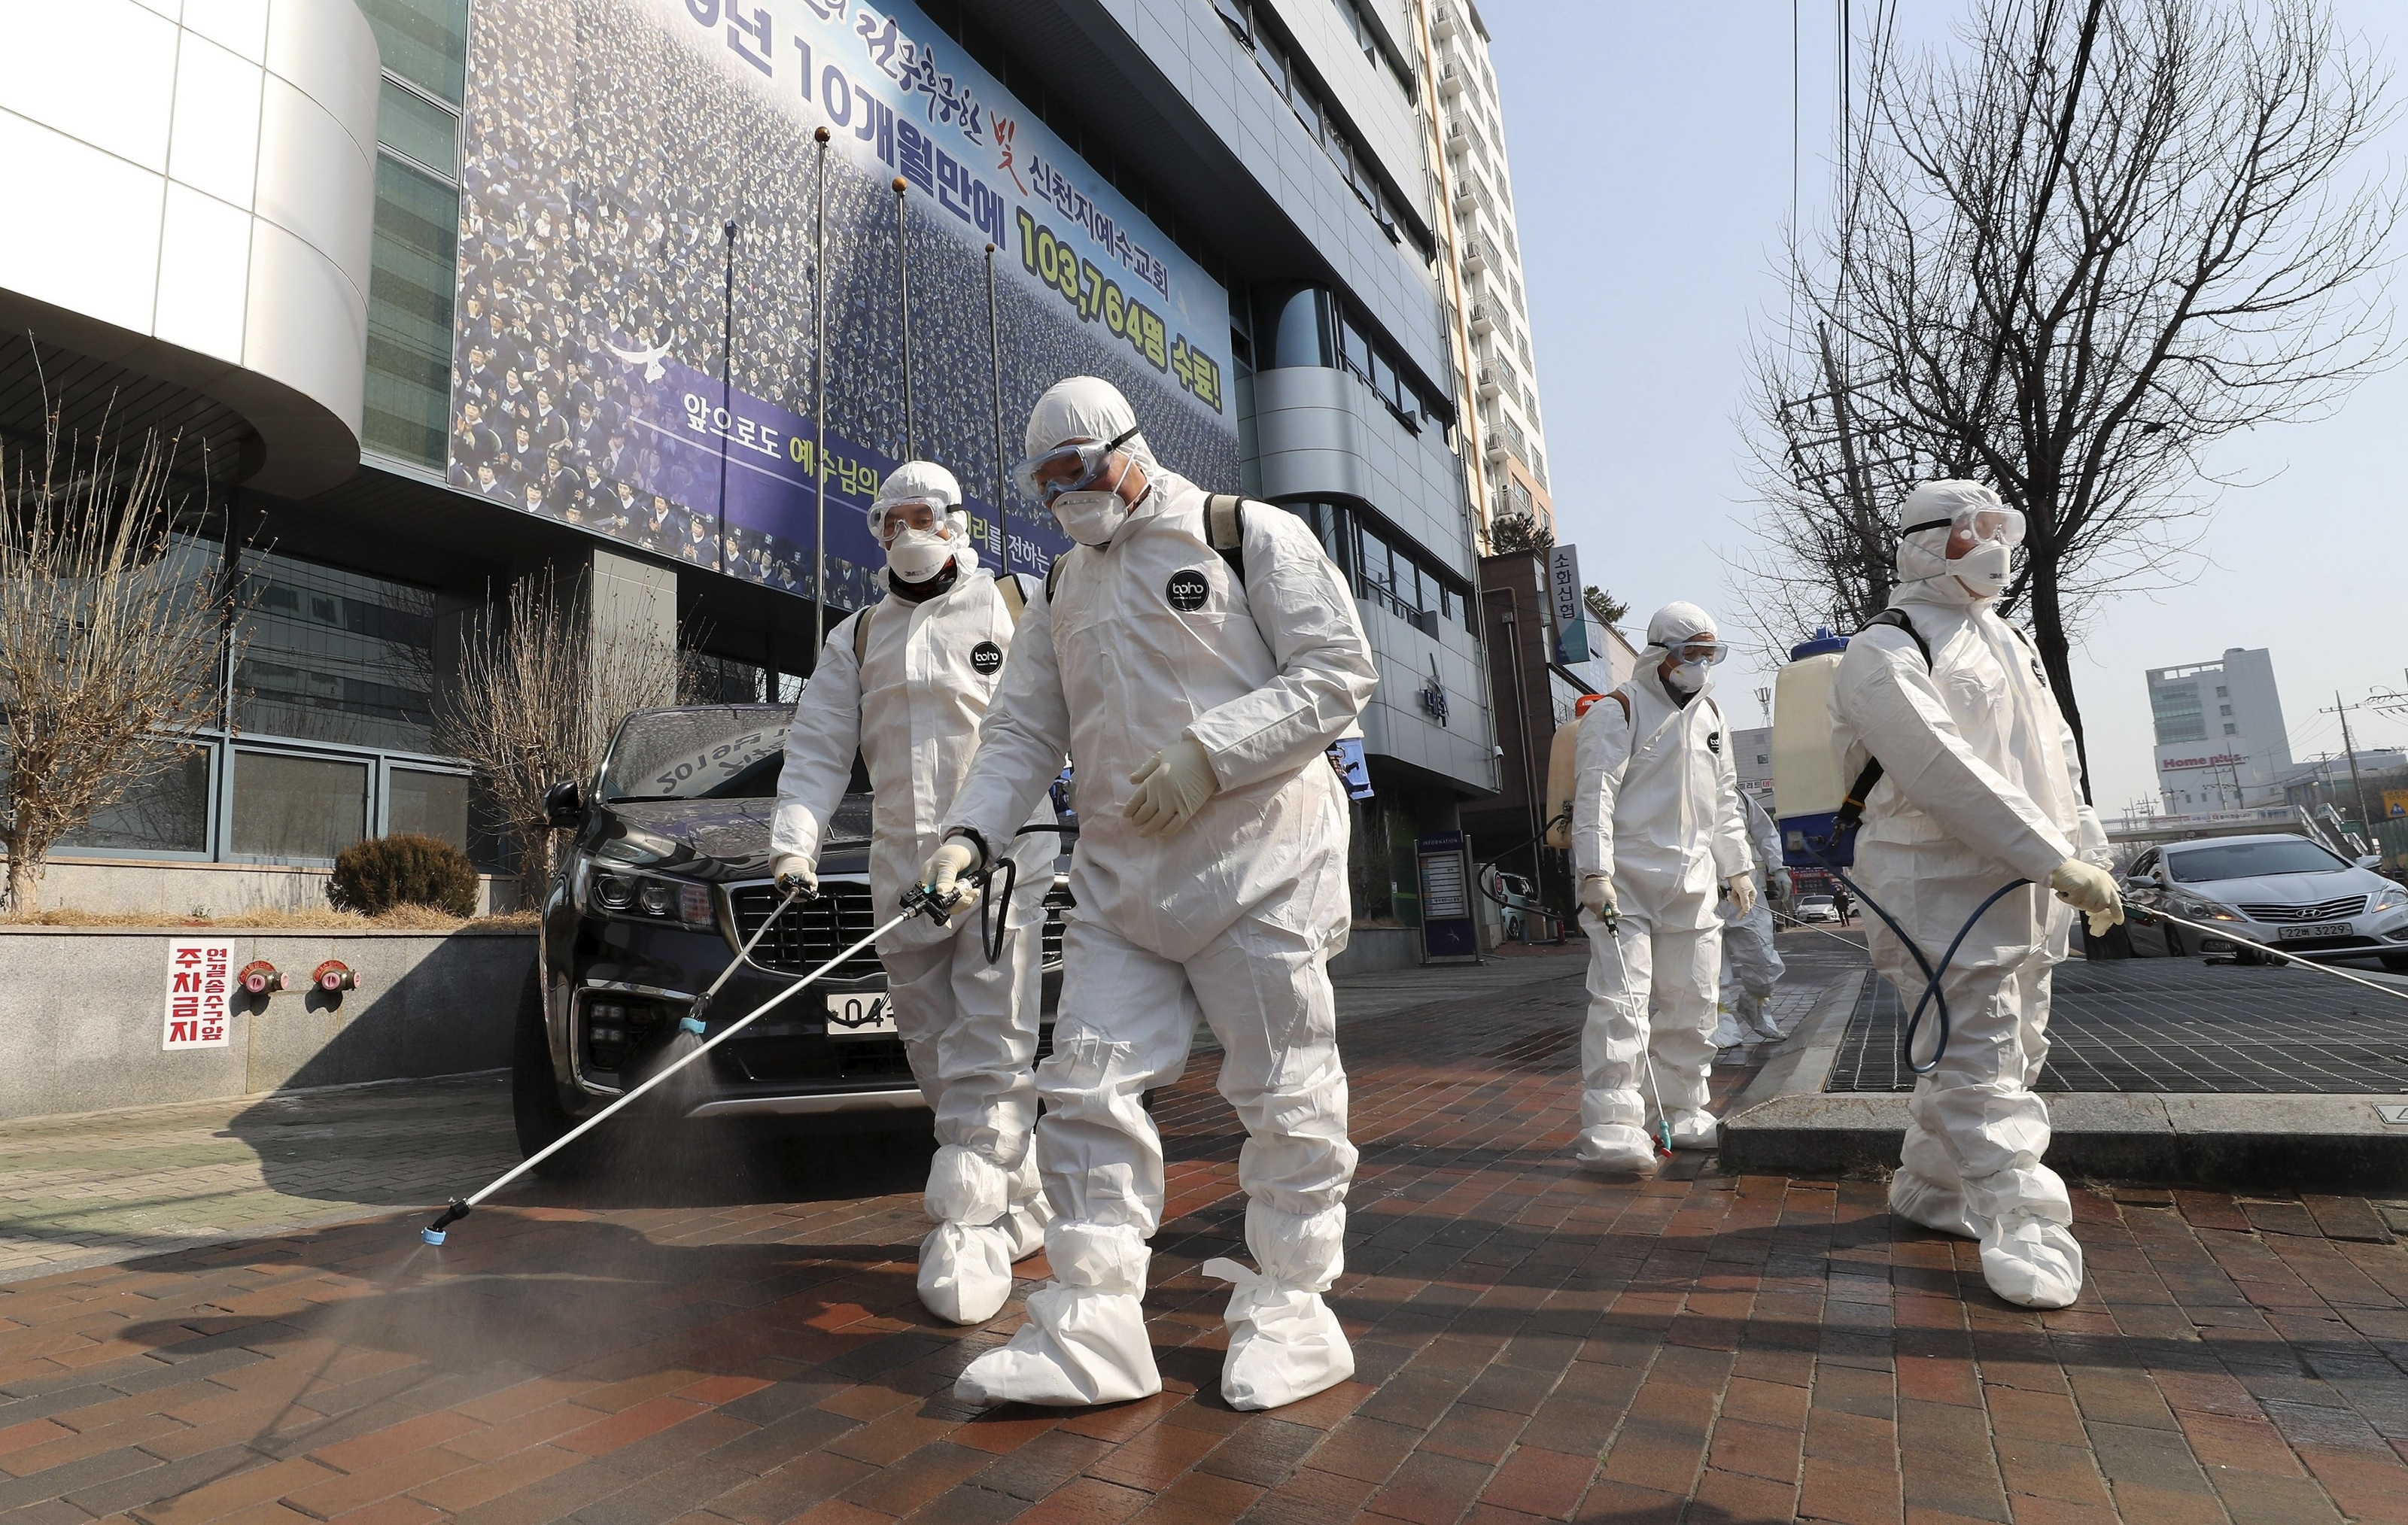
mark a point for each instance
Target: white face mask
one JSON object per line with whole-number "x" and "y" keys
{"x": 917, "y": 555}
{"x": 1984, "y": 569}
{"x": 1686, "y": 676}
{"x": 1090, "y": 518}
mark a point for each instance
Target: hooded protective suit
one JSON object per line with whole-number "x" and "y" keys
{"x": 912, "y": 708}
{"x": 1982, "y": 785}
{"x": 1752, "y": 964}
{"x": 1140, "y": 646}
{"x": 1655, "y": 812}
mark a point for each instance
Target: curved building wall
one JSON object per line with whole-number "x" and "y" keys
{"x": 194, "y": 185}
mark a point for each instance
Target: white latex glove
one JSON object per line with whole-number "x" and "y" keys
{"x": 945, "y": 867}
{"x": 1171, "y": 786}
{"x": 1743, "y": 893}
{"x": 792, "y": 869}
{"x": 1782, "y": 885}
{"x": 2090, "y": 889}
{"x": 1597, "y": 896}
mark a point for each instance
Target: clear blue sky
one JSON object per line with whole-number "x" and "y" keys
{"x": 1651, "y": 153}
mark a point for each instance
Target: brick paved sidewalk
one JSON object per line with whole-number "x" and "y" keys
{"x": 1534, "y": 1345}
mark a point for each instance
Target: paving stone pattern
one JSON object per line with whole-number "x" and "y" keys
{"x": 2175, "y": 1025}
{"x": 1534, "y": 1345}
{"x": 108, "y": 1186}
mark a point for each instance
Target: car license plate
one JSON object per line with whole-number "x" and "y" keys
{"x": 2322, "y": 929}
{"x": 860, "y": 1016}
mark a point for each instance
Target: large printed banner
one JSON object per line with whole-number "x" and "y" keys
{"x": 610, "y": 141}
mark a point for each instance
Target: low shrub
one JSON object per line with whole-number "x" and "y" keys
{"x": 404, "y": 869}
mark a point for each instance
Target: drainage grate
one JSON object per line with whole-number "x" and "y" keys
{"x": 2174, "y": 1026}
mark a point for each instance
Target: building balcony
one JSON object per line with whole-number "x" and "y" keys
{"x": 1442, "y": 21}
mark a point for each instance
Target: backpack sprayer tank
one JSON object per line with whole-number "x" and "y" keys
{"x": 1807, "y": 787}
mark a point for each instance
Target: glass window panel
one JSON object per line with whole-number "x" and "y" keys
{"x": 423, "y": 41}
{"x": 432, "y": 805}
{"x": 335, "y": 656}
{"x": 412, "y": 124}
{"x": 410, "y": 314}
{"x": 297, "y": 807}
{"x": 169, "y": 812}
{"x": 1302, "y": 337}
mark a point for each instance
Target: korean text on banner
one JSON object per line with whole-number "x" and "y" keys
{"x": 1564, "y": 588}
{"x": 200, "y": 979}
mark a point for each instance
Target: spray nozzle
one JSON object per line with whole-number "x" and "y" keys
{"x": 924, "y": 900}
{"x": 1663, "y": 1136}
{"x": 433, "y": 1232}
{"x": 692, "y": 1025}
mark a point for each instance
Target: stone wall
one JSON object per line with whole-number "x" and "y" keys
{"x": 82, "y": 1015}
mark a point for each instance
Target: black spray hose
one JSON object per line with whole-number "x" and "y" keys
{"x": 992, "y": 927}
{"x": 1479, "y": 883}
{"x": 1931, "y": 996}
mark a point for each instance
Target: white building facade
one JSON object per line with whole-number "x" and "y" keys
{"x": 2221, "y": 743}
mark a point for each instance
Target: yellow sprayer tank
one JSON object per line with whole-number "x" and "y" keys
{"x": 1807, "y": 787}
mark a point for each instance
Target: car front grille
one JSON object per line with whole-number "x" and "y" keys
{"x": 811, "y": 931}
{"x": 2328, "y": 910}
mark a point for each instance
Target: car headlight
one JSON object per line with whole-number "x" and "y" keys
{"x": 2197, "y": 909}
{"x": 642, "y": 897}
{"x": 2389, "y": 898}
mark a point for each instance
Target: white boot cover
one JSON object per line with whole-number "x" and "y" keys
{"x": 1285, "y": 1344}
{"x": 1728, "y": 1033}
{"x": 1085, "y": 1341}
{"x": 1696, "y": 1131}
{"x": 965, "y": 1262}
{"x": 1919, "y": 1200}
{"x": 2033, "y": 1262}
{"x": 1024, "y": 1224}
{"x": 1616, "y": 1148}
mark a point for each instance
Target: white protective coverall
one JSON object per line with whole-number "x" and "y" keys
{"x": 912, "y": 708}
{"x": 1139, "y": 644}
{"x": 1752, "y": 964}
{"x": 1655, "y": 810}
{"x": 1982, "y": 785}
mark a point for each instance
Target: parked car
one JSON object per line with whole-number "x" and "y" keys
{"x": 665, "y": 877}
{"x": 1816, "y": 909}
{"x": 2277, "y": 889}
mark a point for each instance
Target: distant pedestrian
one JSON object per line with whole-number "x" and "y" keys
{"x": 1841, "y": 902}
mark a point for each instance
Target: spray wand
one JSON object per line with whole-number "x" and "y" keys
{"x": 920, "y": 900}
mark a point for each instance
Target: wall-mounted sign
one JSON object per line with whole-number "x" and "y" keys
{"x": 1564, "y": 591}
{"x": 200, "y": 978}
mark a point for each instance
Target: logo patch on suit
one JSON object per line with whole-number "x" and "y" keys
{"x": 987, "y": 659}
{"x": 1714, "y": 742}
{"x": 1188, "y": 590}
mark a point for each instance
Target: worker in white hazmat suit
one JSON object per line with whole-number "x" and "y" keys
{"x": 1979, "y": 785}
{"x": 1657, "y": 837}
{"x": 906, "y": 681}
{"x": 1196, "y": 680}
{"x": 1752, "y": 964}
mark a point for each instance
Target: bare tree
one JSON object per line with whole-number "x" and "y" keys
{"x": 540, "y": 692}
{"x": 2068, "y": 258}
{"x": 111, "y": 635}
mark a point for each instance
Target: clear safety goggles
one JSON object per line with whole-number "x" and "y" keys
{"x": 1704, "y": 650}
{"x": 1067, "y": 468}
{"x": 1975, "y": 526}
{"x": 889, "y": 517}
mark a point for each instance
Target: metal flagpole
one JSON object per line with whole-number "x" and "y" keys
{"x": 726, "y": 397}
{"x": 903, "y": 300}
{"x": 995, "y": 363}
{"x": 819, "y": 405}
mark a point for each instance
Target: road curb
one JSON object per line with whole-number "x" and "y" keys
{"x": 1785, "y": 1123}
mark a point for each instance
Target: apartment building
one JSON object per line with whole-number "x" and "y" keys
{"x": 1486, "y": 312}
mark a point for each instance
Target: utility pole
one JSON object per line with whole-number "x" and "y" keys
{"x": 1764, "y": 702}
{"x": 2350, "y": 750}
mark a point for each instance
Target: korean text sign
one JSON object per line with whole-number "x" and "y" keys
{"x": 200, "y": 981}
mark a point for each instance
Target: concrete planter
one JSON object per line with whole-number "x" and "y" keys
{"x": 84, "y": 1010}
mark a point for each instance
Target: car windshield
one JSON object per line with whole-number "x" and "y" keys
{"x": 2250, "y": 860}
{"x": 720, "y": 752}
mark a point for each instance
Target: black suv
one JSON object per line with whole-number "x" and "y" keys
{"x": 666, "y": 877}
